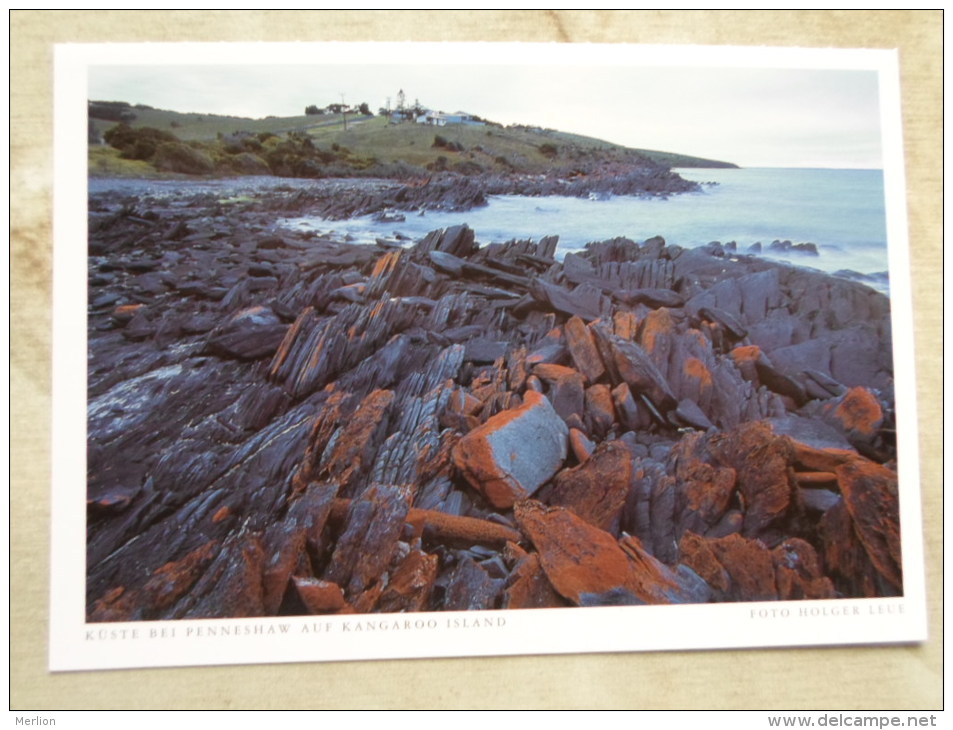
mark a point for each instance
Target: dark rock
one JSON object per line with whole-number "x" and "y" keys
{"x": 528, "y": 586}
{"x": 372, "y": 527}
{"x": 411, "y": 585}
{"x": 870, "y": 495}
{"x": 588, "y": 567}
{"x": 584, "y": 301}
{"x": 818, "y": 500}
{"x": 285, "y": 424}
{"x": 470, "y": 588}
{"x": 690, "y": 414}
{"x": 627, "y": 362}
{"x": 320, "y": 596}
{"x": 248, "y": 335}
{"x": 597, "y": 490}
{"x": 582, "y": 348}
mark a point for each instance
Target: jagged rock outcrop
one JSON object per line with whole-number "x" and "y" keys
{"x": 281, "y": 423}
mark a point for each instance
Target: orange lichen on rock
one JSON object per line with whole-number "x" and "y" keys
{"x": 745, "y": 353}
{"x": 870, "y": 495}
{"x": 625, "y": 324}
{"x": 707, "y": 490}
{"x": 597, "y": 489}
{"x": 579, "y": 559}
{"x": 741, "y": 569}
{"x": 125, "y": 312}
{"x": 588, "y": 567}
{"x": 529, "y": 587}
{"x": 582, "y": 348}
{"x": 349, "y": 453}
{"x": 386, "y": 263}
{"x": 553, "y": 373}
{"x": 320, "y": 596}
{"x": 305, "y": 319}
{"x": 658, "y": 322}
{"x": 166, "y": 585}
{"x": 412, "y": 582}
{"x": 466, "y": 530}
{"x": 860, "y": 411}
{"x": 695, "y": 368}
{"x": 582, "y": 447}
{"x": 599, "y": 410}
{"x": 815, "y": 478}
{"x": 797, "y": 572}
{"x": 809, "y": 458}
{"x": 760, "y": 459}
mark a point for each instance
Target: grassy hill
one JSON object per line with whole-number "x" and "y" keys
{"x": 319, "y": 145}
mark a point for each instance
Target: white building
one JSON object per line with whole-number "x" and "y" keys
{"x": 442, "y": 119}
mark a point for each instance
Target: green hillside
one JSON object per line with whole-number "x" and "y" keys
{"x": 319, "y": 145}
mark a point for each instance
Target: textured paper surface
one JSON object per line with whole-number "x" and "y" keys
{"x": 908, "y": 677}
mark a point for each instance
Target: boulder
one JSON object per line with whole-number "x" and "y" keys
{"x": 528, "y": 586}
{"x": 372, "y": 527}
{"x": 597, "y": 490}
{"x": 628, "y": 362}
{"x": 515, "y": 452}
{"x": 249, "y": 334}
{"x": 588, "y": 567}
{"x": 320, "y": 596}
{"x": 870, "y": 495}
{"x": 583, "y": 350}
{"x": 410, "y": 585}
{"x": 740, "y": 569}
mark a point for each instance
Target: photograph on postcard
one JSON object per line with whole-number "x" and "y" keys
{"x": 438, "y": 352}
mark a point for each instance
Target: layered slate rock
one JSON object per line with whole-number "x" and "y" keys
{"x": 285, "y": 423}
{"x": 598, "y": 489}
{"x": 740, "y": 569}
{"x": 589, "y": 567}
{"x": 870, "y": 496}
{"x": 249, "y": 334}
{"x": 514, "y": 453}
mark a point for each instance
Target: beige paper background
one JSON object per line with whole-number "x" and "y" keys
{"x": 863, "y": 678}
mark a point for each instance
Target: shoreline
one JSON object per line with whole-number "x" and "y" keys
{"x": 337, "y": 200}
{"x": 336, "y": 423}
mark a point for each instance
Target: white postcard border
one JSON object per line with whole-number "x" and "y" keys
{"x": 76, "y": 645}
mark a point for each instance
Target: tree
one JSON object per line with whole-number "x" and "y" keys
{"x": 364, "y": 109}
{"x": 312, "y": 110}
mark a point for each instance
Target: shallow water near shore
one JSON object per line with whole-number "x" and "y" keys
{"x": 841, "y": 211}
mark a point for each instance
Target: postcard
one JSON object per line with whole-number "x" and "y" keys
{"x": 368, "y": 351}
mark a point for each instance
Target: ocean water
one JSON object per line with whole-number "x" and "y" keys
{"x": 840, "y": 211}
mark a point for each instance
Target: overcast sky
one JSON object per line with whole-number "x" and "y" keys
{"x": 783, "y": 117}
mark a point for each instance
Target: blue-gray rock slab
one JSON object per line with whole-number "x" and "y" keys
{"x": 515, "y": 452}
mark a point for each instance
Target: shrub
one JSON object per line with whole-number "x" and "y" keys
{"x": 179, "y": 157}
{"x": 139, "y": 143}
{"x": 438, "y": 165}
{"x": 466, "y": 167}
{"x": 246, "y": 163}
{"x": 548, "y": 150}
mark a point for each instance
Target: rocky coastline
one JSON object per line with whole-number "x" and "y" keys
{"x": 284, "y": 423}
